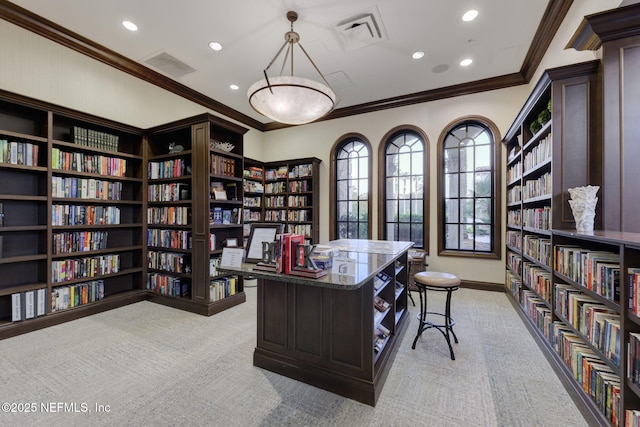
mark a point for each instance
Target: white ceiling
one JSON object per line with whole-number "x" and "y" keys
{"x": 252, "y": 31}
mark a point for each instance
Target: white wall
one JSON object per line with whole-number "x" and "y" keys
{"x": 36, "y": 67}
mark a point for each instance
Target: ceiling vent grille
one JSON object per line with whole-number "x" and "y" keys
{"x": 361, "y": 30}
{"x": 169, "y": 65}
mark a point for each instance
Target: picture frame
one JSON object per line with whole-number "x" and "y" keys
{"x": 231, "y": 243}
{"x": 261, "y": 232}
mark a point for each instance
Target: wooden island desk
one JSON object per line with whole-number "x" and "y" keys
{"x": 328, "y": 332}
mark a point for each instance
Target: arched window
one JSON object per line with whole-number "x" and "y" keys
{"x": 351, "y": 193}
{"x": 468, "y": 201}
{"x": 405, "y": 187}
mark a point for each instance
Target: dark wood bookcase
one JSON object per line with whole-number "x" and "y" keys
{"x": 212, "y": 155}
{"x": 553, "y": 145}
{"x": 291, "y": 195}
{"x": 72, "y": 214}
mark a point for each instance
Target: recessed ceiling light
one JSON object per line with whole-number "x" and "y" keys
{"x": 466, "y": 62}
{"x": 234, "y": 87}
{"x": 130, "y": 25}
{"x": 215, "y": 46}
{"x": 470, "y": 15}
{"x": 417, "y": 55}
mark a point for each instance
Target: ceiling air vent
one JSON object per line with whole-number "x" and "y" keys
{"x": 169, "y": 65}
{"x": 361, "y": 30}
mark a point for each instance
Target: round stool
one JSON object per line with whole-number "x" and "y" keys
{"x": 442, "y": 282}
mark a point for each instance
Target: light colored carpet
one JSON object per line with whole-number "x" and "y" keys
{"x": 154, "y": 365}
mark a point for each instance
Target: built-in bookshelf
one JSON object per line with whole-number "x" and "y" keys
{"x": 291, "y": 196}
{"x": 70, "y": 217}
{"x": 553, "y": 145}
{"x": 195, "y": 209}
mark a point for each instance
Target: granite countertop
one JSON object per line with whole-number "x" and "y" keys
{"x": 371, "y": 257}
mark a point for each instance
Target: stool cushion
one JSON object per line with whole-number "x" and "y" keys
{"x": 436, "y": 278}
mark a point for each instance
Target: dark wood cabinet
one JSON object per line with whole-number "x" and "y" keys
{"x": 617, "y": 34}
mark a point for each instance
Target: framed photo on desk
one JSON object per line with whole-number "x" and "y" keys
{"x": 261, "y": 232}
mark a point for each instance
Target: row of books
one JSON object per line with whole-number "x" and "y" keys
{"x": 514, "y": 218}
{"x": 301, "y": 171}
{"x": 218, "y": 215}
{"x": 19, "y": 153}
{"x": 95, "y": 139}
{"x": 89, "y": 163}
{"x": 634, "y": 290}
{"x": 514, "y": 194}
{"x": 172, "y": 168}
{"x": 169, "y": 192}
{"x": 85, "y": 188}
{"x": 299, "y": 216}
{"x": 249, "y": 216}
{"x": 253, "y": 187}
{"x": 28, "y": 304}
{"x": 62, "y": 215}
{"x": 537, "y": 279}
{"x": 598, "y": 324}
{"x": 79, "y": 241}
{"x": 514, "y": 172}
{"x": 275, "y": 202}
{"x": 221, "y": 165}
{"x": 174, "y": 239}
{"x": 168, "y": 215}
{"x": 514, "y": 261}
{"x": 79, "y": 268}
{"x": 276, "y": 173}
{"x": 303, "y": 186}
{"x": 538, "y": 248}
{"x": 172, "y": 286}
{"x": 537, "y": 218}
{"x": 299, "y": 201}
{"x": 253, "y": 172}
{"x": 598, "y": 271}
{"x": 252, "y": 202}
{"x": 64, "y": 297}
{"x": 223, "y": 287}
{"x": 514, "y": 284}
{"x": 275, "y": 216}
{"x": 304, "y": 229}
{"x": 537, "y": 187}
{"x": 169, "y": 261}
{"x": 513, "y": 239}
{"x": 538, "y": 311}
{"x": 596, "y": 378}
{"x": 539, "y": 154}
{"x": 275, "y": 188}
{"x": 633, "y": 358}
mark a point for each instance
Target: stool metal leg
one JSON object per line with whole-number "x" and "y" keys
{"x": 422, "y": 317}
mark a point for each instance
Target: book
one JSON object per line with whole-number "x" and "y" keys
{"x": 1, "y": 214}
{"x": 217, "y": 191}
{"x": 215, "y": 216}
{"x": 16, "y": 307}
{"x": 232, "y": 191}
{"x": 305, "y": 272}
{"x": 29, "y": 305}
{"x": 226, "y": 216}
